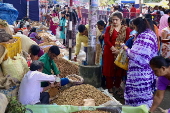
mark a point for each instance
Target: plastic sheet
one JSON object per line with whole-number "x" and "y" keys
{"x": 8, "y": 13}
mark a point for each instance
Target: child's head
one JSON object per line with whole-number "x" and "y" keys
{"x": 36, "y": 66}
{"x": 53, "y": 52}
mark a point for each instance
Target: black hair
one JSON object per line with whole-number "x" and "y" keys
{"x": 133, "y": 5}
{"x": 32, "y": 30}
{"x": 67, "y": 15}
{"x": 101, "y": 22}
{"x": 34, "y": 49}
{"x": 149, "y": 19}
{"x": 54, "y": 11}
{"x": 36, "y": 65}
{"x": 159, "y": 61}
{"x": 81, "y": 28}
{"x": 141, "y": 24}
{"x": 168, "y": 19}
{"x": 167, "y": 11}
{"x": 118, "y": 14}
{"x": 28, "y": 26}
{"x": 21, "y": 25}
{"x": 55, "y": 50}
{"x": 110, "y": 19}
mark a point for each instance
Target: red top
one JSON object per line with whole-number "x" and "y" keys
{"x": 133, "y": 11}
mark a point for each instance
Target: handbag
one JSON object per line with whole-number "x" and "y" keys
{"x": 122, "y": 60}
{"x": 61, "y": 28}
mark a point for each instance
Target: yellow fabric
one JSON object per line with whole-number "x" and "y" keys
{"x": 122, "y": 60}
{"x": 81, "y": 39}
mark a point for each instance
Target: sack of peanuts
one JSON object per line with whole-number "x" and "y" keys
{"x": 75, "y": 79}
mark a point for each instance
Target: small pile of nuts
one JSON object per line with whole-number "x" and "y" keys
{"x": 96, "y": 111}
{"x": 76, "y": 94}
{"x": 74, "y": 78}
{"x": 66, "y": 67}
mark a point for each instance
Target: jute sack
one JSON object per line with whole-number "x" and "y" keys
{"x": 3, "y": 52}
{"x": 3, "y": 103}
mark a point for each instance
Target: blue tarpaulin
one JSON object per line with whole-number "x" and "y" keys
{"x": 128, "y": 1}
{"x": 21, "y": 6}
{"x": 8, "y": 13}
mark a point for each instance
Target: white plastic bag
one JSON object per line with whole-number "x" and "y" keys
{"x": 16, "y": 68}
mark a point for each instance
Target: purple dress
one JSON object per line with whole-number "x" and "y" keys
{"x": 141, "y": 80}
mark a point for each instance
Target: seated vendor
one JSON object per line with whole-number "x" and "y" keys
{"x": 34, "y": 36}
{"x": 35, "y": 52}
{"x": 30, "y": 91}
{"x": 161, "y": 68}
{"x": 50, "y": 66}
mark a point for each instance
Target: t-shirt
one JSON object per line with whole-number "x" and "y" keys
{"x": 162, "y": 83}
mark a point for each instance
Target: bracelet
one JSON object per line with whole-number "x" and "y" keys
{"x": 123, "y": 45}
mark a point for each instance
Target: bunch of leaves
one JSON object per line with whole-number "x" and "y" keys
{"x": 14, "y": 106}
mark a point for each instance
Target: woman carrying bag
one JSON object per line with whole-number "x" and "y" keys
{"x": 114, "y": 35}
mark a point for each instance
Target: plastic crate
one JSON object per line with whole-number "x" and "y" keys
{"x": 12, "y": 48}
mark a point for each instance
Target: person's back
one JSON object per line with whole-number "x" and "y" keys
{"x": 133, "y": 12}
{"x": 30, "y": 90}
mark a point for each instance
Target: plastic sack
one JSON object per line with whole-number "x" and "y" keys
{"x": 3, "y": 103}
{"x": 3, "y": 52}
{"x": 58, "y": 108}
{"x": 122, "y": 60}
{"x": 8, "y": 13}
{"x": 70, "y": 108}
{"x": 16, "y": 68}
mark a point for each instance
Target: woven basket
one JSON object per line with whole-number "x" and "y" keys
{"x": 75, "y": 79}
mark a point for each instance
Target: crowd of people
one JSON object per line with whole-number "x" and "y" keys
{"x": 144, "y": 39}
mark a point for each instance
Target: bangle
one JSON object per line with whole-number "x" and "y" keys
{"x": 123, "y": 45}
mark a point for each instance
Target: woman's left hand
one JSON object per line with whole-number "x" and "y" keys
{"x": 116, "y": 52}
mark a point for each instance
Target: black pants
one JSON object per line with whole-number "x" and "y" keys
{"x": 44, "y": 98}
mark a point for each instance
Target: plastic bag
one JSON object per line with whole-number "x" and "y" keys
{"x": 122, "y": 60}
{"x": 8, "y": 13}
{"x": 89, "y": 102}
{"x": 16, "y": 68}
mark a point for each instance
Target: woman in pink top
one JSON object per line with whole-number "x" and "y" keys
{"x": 161, "y": 68}
{"x": 53, "y": 25}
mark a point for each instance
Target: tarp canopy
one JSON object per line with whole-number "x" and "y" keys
{"x": 163, "y": 3}
{"x": 127, "y": 1}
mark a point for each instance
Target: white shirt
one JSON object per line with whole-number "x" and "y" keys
{"x": 30, "y": 87}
